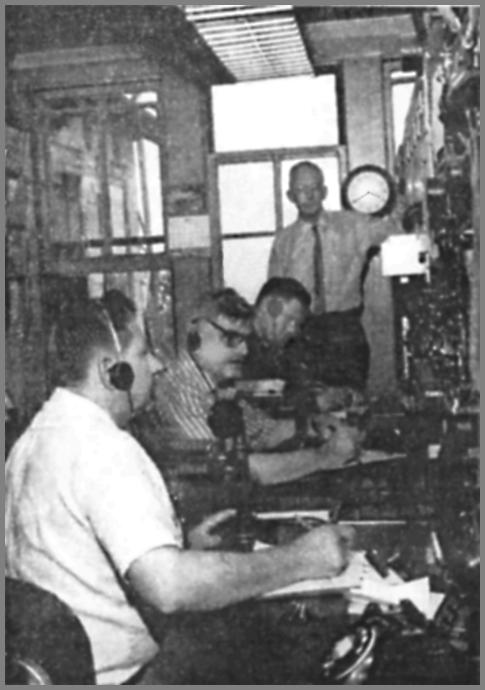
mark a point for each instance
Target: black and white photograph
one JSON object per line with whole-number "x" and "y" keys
{"x": 242, "y": 344}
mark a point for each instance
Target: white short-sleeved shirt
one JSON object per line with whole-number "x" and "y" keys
{"x": 83, "y": 502}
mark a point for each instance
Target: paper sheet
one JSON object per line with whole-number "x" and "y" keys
{"x": 361, "y": 583}
{"x": 370, "y": 455}
{"x": 417, "y": 591}
{"x": 358, "y": 573}
{"x": 296, "y": 515}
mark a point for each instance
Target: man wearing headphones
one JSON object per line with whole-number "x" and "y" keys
{"x": 88, "y": 516}
{"x": 216, "y": 350}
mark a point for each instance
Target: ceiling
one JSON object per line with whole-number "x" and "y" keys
{"x": 253, "y": 42}
{"x": 271, "y": 41}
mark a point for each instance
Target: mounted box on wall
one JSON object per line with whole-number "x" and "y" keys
{"x": 405, "y": 255}
{"x": 189, "y": 232}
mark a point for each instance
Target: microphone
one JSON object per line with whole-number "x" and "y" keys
{"x": 226, "y": 419}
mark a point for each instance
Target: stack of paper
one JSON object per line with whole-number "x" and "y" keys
{"x": 390, "y": 594}
{"x": 362, "y": 584}
{"x": 355, "y": 576}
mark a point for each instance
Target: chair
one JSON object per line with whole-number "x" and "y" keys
{"x": 45, "y": 643}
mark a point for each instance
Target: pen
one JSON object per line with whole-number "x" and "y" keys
{"x": 376, "y": 562}
{"x": 334, "y": 513}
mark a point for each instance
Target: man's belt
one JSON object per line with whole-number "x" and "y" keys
{"x": 350, "y": 314}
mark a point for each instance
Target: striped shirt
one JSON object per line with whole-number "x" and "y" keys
{"x": 184, "y": 396}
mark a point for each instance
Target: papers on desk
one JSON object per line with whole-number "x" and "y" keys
{"x": 386, "y": 595}
{"x": 356, "y": 575}
{"x": 362, "y": 584}
{"x": 296, "y": 515}
{"x": 369, "y": 455}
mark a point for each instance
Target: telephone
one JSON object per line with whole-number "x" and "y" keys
{"x": 402, "y": 647}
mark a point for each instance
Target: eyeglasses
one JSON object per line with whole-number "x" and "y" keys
{"x": 231, "y": 338}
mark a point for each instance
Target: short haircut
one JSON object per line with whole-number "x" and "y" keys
{"x": 84, "y": 325}
{"x": 295, "y": 169}
{"x": 286, "y": 288}
{"x": 226, "y": 302}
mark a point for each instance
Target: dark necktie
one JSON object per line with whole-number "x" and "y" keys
{"x": 318, "y": 275}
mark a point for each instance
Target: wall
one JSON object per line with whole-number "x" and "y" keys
{"x": 186, "y": 142}
{"x": 143, "y": 46}
{"x": 365, "y": 130}
{"x": 185, "y": 182}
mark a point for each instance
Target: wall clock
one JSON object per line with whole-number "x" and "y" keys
{"x": 369, "y": 189}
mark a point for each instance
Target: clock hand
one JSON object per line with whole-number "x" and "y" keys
{"x": 360, "y": 197}
{"x": 377, "y": 196}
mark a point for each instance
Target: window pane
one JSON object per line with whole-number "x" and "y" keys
{"x": 275, "y": 113}
{"x": 147, "y": 171}
{"x": 246, "y": 198}
{"x": 116, "y": 199}
{"x": 246, "y": 264}
{"x": 401, "y": 100}
{"x": 331, "y": 170}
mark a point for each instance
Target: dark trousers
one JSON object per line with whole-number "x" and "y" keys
{"x": 252, "y": 644}
{"x": 339, "y": 347}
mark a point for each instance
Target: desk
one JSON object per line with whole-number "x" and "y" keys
{"x": 270, "y": 642}
{"x": 281, "y": 641}
{"x": 405, "y": 488}
{"x": 391, "y": 490}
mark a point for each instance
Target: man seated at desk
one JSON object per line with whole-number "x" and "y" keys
{"x": 216, "y": 349}
{"x": 277, "y": 348}
{"x": 89, "y": 518}
{"x": 280, "y": 309}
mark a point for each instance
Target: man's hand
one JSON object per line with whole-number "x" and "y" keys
{"x": 343, "y": 444}
{"x": 200, "y": 537}
{"x": 325, "y": 551}
{"x": 324, "y": 425}
{"x": 333, "y": 398}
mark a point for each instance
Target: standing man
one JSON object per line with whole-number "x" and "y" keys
{"x": 327, "y": 251}
{"x": 89, "y": 518}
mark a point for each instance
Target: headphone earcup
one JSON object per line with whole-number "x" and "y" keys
{"x": 193, "y": 340}
{"x": 121, "y": 376}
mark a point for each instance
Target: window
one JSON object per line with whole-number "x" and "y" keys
{"x": 260, "y": 130}
{"x": 402, "y": 87}
{"x": 276, "y": 113}
{"x": 252, "y": 204}
{"x": 148, "y": 187}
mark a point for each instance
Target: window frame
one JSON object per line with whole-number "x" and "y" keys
{"x": 390, "y": 66}
{"x": 276, "y": 157}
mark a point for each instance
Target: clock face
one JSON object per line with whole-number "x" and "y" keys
{"x": 369, "y": 189}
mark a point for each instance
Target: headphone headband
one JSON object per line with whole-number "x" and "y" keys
{"x": 114, "y": 335}
{"x": 121, "y": 374}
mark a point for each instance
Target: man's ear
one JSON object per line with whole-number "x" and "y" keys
{"x": 104, "y": 364}
{"x": 290, "y": 196}
{"x": 274, "y": 306}
{"x": 324, "y": 192}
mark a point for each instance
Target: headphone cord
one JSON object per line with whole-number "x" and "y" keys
{"x": 130, "y": 402}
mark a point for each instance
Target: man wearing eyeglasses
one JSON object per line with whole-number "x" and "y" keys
{"x": 215, "y": 352}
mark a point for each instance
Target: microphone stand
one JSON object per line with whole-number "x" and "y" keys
{"x": 227, "y": 424}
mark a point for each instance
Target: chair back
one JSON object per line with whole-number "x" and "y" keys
{"x": 45, "y": 642}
